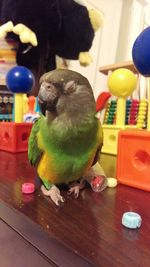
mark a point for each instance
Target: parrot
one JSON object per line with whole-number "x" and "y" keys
{"x": 65, "y": 142}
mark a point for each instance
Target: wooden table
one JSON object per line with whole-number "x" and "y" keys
{"x": 84, "y": 232}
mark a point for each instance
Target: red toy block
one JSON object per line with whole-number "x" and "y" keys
{"x": 14, "y": 136}
{"x": 133, "y": 159}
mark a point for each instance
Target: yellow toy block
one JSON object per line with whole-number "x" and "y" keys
{"x": 110, "y": 139}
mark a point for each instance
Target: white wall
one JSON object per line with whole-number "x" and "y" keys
{"x": 131, "y": 24}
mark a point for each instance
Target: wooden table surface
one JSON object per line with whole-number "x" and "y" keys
{"x": 84, "y": 232}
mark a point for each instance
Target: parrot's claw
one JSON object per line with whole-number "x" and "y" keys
{"x": 75, "y": 188}
{"x": 54, "y": 194}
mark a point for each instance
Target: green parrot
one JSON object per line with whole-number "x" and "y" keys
{"x": 65, "y": 142}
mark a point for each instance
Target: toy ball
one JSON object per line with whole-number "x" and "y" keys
{"x": 20, "y": 80}
{"x": 122, "y": 82}
{"x": 141, "y": 52}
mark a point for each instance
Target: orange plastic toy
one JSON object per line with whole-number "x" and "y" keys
{"x": 133, "y": 160}
{"x": 14, "y": 136}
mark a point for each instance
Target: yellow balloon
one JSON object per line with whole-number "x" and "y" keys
{"x": 122, "y": 82}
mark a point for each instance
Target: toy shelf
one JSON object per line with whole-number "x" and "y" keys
{"x": 127, "y": 64}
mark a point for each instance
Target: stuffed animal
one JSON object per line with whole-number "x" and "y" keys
{"x": 64, "y": 144}
{"x": 44, "y": 29}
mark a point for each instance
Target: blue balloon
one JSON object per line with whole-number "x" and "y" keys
{"x": 19, "y": 79}
{"x": 141, "y": 52}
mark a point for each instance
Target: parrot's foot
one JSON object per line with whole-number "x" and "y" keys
{"x": 53, "y": 193}
{"x": 75, "y": 188}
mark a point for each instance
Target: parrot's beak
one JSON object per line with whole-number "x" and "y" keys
{"x": 47, "y": 105}
{"x": 48, "y": 97}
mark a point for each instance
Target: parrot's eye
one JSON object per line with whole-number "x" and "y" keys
{"x": 50, "y": 87}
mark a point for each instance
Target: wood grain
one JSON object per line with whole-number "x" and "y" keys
{"x": 89, "y": 226}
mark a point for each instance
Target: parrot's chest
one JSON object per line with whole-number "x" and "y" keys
{"x": 63, "y": 164}
{"x": 63, "y": 168}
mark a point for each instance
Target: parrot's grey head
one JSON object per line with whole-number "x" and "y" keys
{"x": 65, "y": 91}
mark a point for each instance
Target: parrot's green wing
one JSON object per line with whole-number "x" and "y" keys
{"x": 34, "y": 153}
{"x": 99, "y": 143}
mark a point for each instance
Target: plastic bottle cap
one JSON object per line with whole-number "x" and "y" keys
{"x": 98, "y": 183}
{"x": 28, "y": 188}
{"x": 131, "y": 220}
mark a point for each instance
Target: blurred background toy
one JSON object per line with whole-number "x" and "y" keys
{"x": 44, "y": 29}
{"x": 121, "y": 84}
{"x": 7, "y": 61}
{"x": 6, "y": 105}
{"x": 14, "y": 135}
{"x": 133, "y": 160}
{"x": 33, "y": 110}
{"x": 141, "y": 59}
{"x": 20, "y": 81}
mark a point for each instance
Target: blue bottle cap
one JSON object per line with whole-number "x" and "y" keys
{"x": 131, "y": 220}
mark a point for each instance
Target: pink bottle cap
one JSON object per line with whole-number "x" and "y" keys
{"x": 28, "y": 188}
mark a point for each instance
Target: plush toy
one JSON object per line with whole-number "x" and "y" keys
{"x": 64, "y": 144}
{"x": 44, "y": 29}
